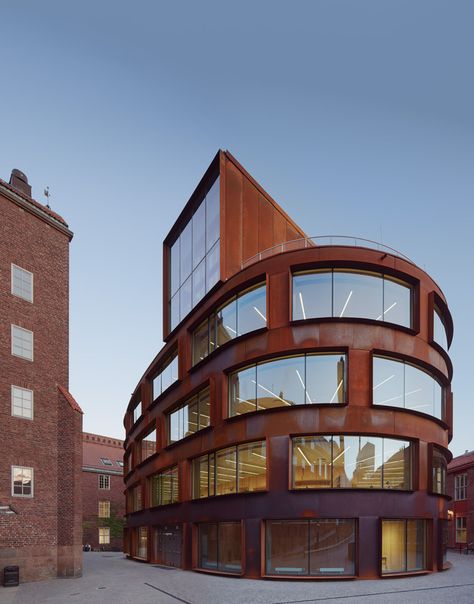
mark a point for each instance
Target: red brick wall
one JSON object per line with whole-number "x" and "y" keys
{"x": 91, "y": 497}
{"x": 462, "y": 508}
{"x": 30, "y": 538}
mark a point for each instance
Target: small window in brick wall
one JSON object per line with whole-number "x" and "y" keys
{"x": 104, "y": 481}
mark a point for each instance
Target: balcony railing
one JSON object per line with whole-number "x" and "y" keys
{"x": 323, "y": 241}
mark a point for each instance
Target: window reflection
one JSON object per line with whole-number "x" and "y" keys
{"x": 298, "y": 380}
{"x": 165, "y": 378}
{"x": 342, "y": 293}
{"x": 439, "y": 470}
{"x": 403, "y": 546}
{"x": 361, "y": 462}
{"x": 399, "y": 384}
{"x": 164, "y": 487}
{"x": 439, "y": 330}
{"x": 194, "y": 415}
{"x": 220, "y": 546}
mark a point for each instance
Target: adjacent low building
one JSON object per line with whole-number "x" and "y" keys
{"x": 296, "y": 422}
{"x": 102, "y": 489}
{"x": 460, "y": 488}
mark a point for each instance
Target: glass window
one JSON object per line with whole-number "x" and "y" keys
{"x": 252, "y": 310}
{"x": 322, "y": 547}
{"x": 220, "y": 546}
{"x": 164, "y": 487}
{"x": 175, "y": 263}
{"x": 439, "y": 330}
{"x": 439, "y": 468}
{"x": 199, "y": 282}
{"x": 243, "y": 391}
{"x": 252, "y": 467}
{"x": 200, "y": 473}
{"x": 22, "y": 402}
{"x": 226, "y": 323}
{"x": 200, "y": 342}
{"x": 343, "y": 293}
{"x": 226, "y": 471}
{"x": 460, "y": 486}
{"x": 194, "y": 415}
{"x": 22, "y": 283}
{"x": 174, "y": 311}
{"x": 185, "y": 298}
{"x": 186, "y": 252}
{"x": 104, "y": 482}
{"x": 22, "y": 343}
{"x": 104, "y": 509}
{"x": 106, "y": 461}
{"x": 341, "y": 461}
{"x": 461, "y": 530}
{"x": 212, "y": 215}
{"x": 396, "y": 302}
{"x": 104, "y": 535}
{"x": 325, "y": 378}
{"x": 142, "y": 542}
{"x": 199, "y": 234}
{"x": 280, "y": 382}
{"x": 22, "y": 481}
{"x": 137, "y": 411}
{"x": 165, "y": 377}
{"x": 400, "y": 384}
{"x": 312, "y": 295}
{"x": 403, "y": 546}
{"x": 204, "y": 409}
{"x": 212, "y": 266}
{"x": 358, "y": 295}
{"x": 148, "y": 445}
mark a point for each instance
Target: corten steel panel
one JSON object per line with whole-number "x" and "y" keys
{"x": 358, "y": 339}
{"x": 265, "y": 224}
{"x": 231, "y": 237}
{"x": 250, "y": 220}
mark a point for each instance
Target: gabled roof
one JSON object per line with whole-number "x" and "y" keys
{"x": 96, "y": 448}
{"x": 70, "y": 399}
{"x": 462, "y": 461}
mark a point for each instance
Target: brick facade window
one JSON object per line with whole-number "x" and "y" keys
{"x": 22, "y": 283}
{"x": 104, "y": 482}
{"x": 460, "y": 487}
{"x": 22, "y": 481}
{"x": 461, "y": 530}
{"x": 22, "y": 342}
{"x": 104, "y": 535}
{"x": 104, "y": 509}
{"x": 22, "y": 402}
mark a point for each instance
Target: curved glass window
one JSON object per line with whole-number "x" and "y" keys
{"x": 220, "y": 546}
{"x": 403, "y": 546}
{"x": 240, "y": 469}
{"x": 323, "y": 547}
{"x": 167, "y": 376}
{"x": 399, "y": 384}
{"x": 164, "y": 487}
{"x": 191, "y": 417}
{"x": 439, "y": 330}
{"x": 194, "y": 257}
{"x": 296, "y": 380}
{"x": 243, "y": 313}
{"x": 351, "y": 462}
{"x": 439, "y": 471}
{"x": 344, "y": 293}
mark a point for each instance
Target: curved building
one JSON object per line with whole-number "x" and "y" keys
{"x": 296, "y": 422}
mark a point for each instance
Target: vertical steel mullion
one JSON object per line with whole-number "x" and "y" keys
{"x": 332, "y": 292}
{"x": 236, "y": 469}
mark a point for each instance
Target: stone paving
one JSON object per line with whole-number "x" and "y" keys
{"x": 109, "y": 578}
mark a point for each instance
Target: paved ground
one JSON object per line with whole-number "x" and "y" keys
{"x": 111, "y": 579}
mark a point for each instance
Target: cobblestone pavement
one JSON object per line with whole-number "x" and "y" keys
{"x": 109, "y": 578}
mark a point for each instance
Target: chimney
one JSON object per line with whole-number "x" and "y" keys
{"x": 19, "y": 181}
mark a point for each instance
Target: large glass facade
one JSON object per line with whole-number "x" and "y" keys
{"x": 240, "y": 469}
{"x": 296, "y": 380}
{"x": 164, "y": 487}
{"x": 403, "y": 546}
{"x": 351, "y": 462}
{"x": 220, "y": 546}
{"x": 194, "y": 257}
{"x": 191, "y": 417}
{"x": 243, "y": 313}
{"x": 323, "y": 547}
{"x": 165, "y": 377}
{"x": 343, "y": 293}
{"x": 439, "y": 330}
{"x": 399, "y": 384}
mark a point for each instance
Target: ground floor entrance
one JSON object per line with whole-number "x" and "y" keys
{"x": 167, "y": 542}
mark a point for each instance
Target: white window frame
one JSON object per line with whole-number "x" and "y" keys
{"x": 106, "y": 481}
{"x": 103, "y": 509}
{"x": 22, "y": 415}
{"x": 104, "y": 535}
{"x": 461, "y": 527}
{"x": 16, "y": 293}
{"x": 460, "y": 486}
{"x": 22, "y": 356}
{"x": 32, "y": 482}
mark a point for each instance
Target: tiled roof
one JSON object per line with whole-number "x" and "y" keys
{"x": 462, "y": 461}
{"x": 70, "y": 399}
{"x": 33, "y": 202}
{"x": 96, "y": 448}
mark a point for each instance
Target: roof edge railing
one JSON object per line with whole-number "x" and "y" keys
{"x": 323, "y": 241}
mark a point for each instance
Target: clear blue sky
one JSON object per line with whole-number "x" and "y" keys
{"x": 356, "y": 116}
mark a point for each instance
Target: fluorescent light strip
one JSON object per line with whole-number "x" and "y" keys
{"x": 259, "y": 455}
{"x": 302, "y": 305}
{"x": 336, "y": 458}
{"x": 242, "y": 400}
{"x": 385, "y": 311}
{"x": 272, "y": 393}
{"x": 345, "y": 305}
{"x": 259, "y": 313}
{"x": 304, "y": 456}
{"x": 413, "y": 391}
{"x": 230, "y": 328}
{"x": 388, "y": 400}
{"x": 383, "y": 382}
{"x": 302, "y": 385}
{"x": 336, "y": 391}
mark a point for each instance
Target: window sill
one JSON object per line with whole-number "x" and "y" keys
{"x": 188, "y": 438}
{"x": 219, "y": 572}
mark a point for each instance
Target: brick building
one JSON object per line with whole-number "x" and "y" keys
{"x": 460, "y": 481}
{"x": 102, "y": 492}
{"x": 41, "y": 424}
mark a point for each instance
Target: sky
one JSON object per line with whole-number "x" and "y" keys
{"x": 356, "y": 116}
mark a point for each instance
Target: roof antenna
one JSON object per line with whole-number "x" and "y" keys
{"x": 47, "y": 194}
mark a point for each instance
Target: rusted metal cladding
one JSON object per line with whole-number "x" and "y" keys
{"x": 358, "y": 339}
